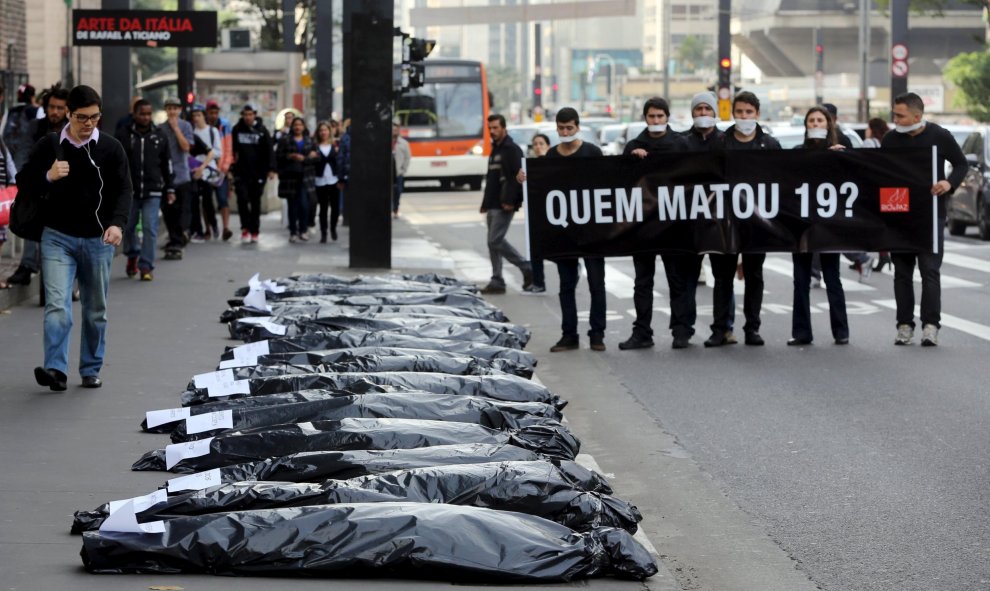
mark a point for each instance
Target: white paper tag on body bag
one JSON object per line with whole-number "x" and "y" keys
{"x": 140, "y": 503}
{"x": 229, "y": 388}
{"x": 124, "y": 520}
{"x": 205, "y": 380}
{"x": 222, "y": 419}
{"x": 197, "y": 481}
{"x": 177, "y": 452}
{"x": 255, "y": 299}
{"x": 168, "y": 415}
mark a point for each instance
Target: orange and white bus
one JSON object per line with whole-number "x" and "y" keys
{"x": 446, "y": 124}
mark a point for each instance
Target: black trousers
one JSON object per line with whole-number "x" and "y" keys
{"x": 724, "y": 269}
{"x": 682, "y": 272}
{"x": 176, "y": 216}
{"x": 645, "y": 266}
{"x": 328, "y": 196}
{"x": 249, "y": 192}
{"x": 801, "y": 320}
{"x": 930, "y": 267}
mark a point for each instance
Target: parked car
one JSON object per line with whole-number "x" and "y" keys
{"x": 970, "y": 204}
{"x": 608, "y": 137}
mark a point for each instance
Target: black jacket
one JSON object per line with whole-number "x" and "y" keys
{"x": 150, "y": 161}
{"x": 668, "y": 142}
{"x": 700, "y": 143}
{"x": 762, "y": 141}
{"x": 41, "y": 127}
{"x": 501, "y": 187}
{"x": 948, "y": 151}
{"x": 254, "y": 151}
{"x": 96, "y": 195}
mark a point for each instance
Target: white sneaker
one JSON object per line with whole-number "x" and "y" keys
{"x": 904, "y": 334}
{"x": 929, "y": 335}
{"x": 865, "y": 269}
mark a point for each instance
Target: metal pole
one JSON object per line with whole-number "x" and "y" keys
{"x": 538, "y": 67}
{"x": 666, "y": 49}
{"x": 116, "y": 64}
{"x": 289, "y": 25}
{"x": 186, "y": 75}
{"x": 368, "y": 197}
{"x": 324, "y": 60}
{"x": 898, "y": 35}
{"x": 862, "y": 110}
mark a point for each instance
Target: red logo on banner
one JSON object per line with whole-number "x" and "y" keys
{"x": 895, "y": 200}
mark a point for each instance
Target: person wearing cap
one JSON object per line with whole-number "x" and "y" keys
{"x": 254, "y": 160}
{"x": 177, "y": 214}
{"x": 214, "y": 120}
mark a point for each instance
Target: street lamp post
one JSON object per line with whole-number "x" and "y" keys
{"x": 611, "y": 76}
{"x": 863, "y": 107}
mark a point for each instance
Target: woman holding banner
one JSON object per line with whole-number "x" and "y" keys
{"x": 819, "y": 134}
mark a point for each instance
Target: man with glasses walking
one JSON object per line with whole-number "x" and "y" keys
{"x": 86, "y": 177}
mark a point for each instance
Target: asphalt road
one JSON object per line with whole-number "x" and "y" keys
{"x": 864, "y": 466}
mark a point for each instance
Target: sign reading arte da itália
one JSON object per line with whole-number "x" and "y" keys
{"x": 732, "y": 201}
{"x": 159, "y": 28}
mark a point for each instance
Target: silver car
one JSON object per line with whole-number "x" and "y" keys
{"x": 969, "y": 205}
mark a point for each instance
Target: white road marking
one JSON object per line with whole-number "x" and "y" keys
{"x": 967, "y": 262}
{"x": 976, "y": 329}
{"x": 786, "y": 268}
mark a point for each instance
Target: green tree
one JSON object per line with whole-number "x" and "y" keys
{"x": 692, "y": 53}
{"x": 503, "y": 83}
{"x": 970, "y": 72}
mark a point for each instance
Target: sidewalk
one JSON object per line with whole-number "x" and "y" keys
{"x": 62, "y": 452}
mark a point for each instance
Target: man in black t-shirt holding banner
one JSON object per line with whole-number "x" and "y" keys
{"x": 571, "y": 146}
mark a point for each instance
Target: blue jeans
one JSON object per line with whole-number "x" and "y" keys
{"x": 568, "y": 270}
{"x": 299, "y": 210}
{"x": 801, "y": 321}
{"x": 30, "y": 259}
{"x": 64, "y": 259}
{"x": 145, "y": 251}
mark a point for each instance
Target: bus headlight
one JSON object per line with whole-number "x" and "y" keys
{"x": 478, "y": 149}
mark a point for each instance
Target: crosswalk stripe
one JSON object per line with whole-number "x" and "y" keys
{"x": 620, "y": 285}
{"x": 786, "y": 268}
{"x": 976, "y": 329}
{"x": 967, "y": 262}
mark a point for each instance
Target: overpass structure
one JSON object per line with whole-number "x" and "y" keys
{"x": 779, "y": 36}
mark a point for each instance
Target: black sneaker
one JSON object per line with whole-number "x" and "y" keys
{"x": 636, "y": 341}
{"x": 53, "y": 378}
{"x": 492, "y": 289}
{"x": 565, "y": 344}
{"x": 597, "y": 342}
{"x": 717, "y": 339}
{"x": 681, "y": 343}
{"x": 527, "y": 280}
{"x": 22, "y": 276}
{"x": 754, "y": 339}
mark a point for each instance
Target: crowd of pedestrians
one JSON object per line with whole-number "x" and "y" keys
{"x": 501, "y": 200}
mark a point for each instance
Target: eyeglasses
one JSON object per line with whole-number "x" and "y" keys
{"x": 85, "y": 118}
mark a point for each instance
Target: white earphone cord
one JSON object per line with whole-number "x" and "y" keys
{"x": 100, "y": 174}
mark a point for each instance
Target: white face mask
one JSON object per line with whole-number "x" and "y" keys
{"x": 817, "y": 133}
{"x": 909, "y": 128}
{"x": 746, "y": 126}
{"x": 566, "y": 139}
{"x": 657, "y": 128}
{"x": 704, "y": 122}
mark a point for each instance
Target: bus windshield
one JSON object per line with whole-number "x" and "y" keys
{"x": 442, "y": 110}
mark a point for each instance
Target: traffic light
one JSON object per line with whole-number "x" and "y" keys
{"x": 724, "y": 88}
{"x": 190, "y": 98}
{"x": 725, "y": 72}
{"x": 411, "y": 73}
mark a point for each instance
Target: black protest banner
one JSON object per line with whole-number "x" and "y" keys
{"x": 735, "y": 201}
{"x": 155, "y": 28}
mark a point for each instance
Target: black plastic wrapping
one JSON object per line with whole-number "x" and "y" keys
{"x": 375, "y": 354}
{"x": 314, "y": 310}
{"x": 487, "y": 412}
{"x": 504, "y": 387}
{"x": 535, "y": 488}
{"x": 502, "y": 334}
{"x": 354, "y": 338}
{"x": 457, "y": 366}
{"x": 305, "y": 289}
{"x": 419, "y": 540}
{"x": 549, "y": 440}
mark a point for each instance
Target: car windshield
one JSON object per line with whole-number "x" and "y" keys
{"x": 442, "y": 110}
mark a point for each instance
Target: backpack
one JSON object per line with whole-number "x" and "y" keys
{"x": 27, "y": 215}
